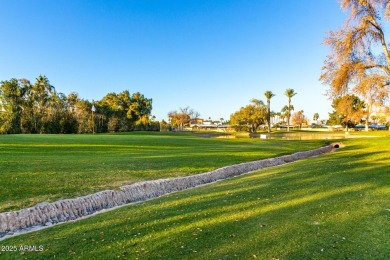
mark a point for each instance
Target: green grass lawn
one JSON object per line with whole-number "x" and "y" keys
{"x": 335, "y": 206}
{"x": 38, "y": 168}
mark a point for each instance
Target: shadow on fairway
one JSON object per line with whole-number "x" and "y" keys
{"x": 331, "y": 206}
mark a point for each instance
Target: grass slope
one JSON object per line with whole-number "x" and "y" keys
{"x": 334, "y": 206}
{"x": 37, "y": 168}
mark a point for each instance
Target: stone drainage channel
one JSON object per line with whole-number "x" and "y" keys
{"x": 46, "y": 214}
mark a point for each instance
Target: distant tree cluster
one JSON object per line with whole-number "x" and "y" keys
{"x": 182, "y": 117}
{"x": 38, "y": 108}
{"x": 250, "y": 117}
{"x": 348, "y": 111}
{"x": 298, "y": 118}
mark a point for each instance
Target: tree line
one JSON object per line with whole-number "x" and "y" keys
{"x": 39, "y": 108}
{"x": 178, "y": 119}
{"x": 357, "y": 70}
{"x": 257, "y": 113}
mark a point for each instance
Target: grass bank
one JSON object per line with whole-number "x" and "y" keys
{"x": 37, "y": 168}
{"x": 334, "y": 206}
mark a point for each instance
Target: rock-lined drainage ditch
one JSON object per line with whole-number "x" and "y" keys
{"x": 47, "y": 214}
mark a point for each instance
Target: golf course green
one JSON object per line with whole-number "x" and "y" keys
{"x": 334, "y": 206}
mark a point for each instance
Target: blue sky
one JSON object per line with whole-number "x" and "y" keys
{"x": 214, "y": 56}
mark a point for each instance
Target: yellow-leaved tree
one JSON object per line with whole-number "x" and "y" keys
{"x": 359, "y": 62}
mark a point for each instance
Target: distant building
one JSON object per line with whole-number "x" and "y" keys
{"x": 196, "y": 122}
{"x": 199, "y": 123}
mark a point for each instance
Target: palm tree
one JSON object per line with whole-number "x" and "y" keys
{"x": 289, "y": 93}
{"x": 316, "y": 117}
{"x": 284, "y": 112}
{"x": 268, "y": 94}
{"x": 277, "y": 116}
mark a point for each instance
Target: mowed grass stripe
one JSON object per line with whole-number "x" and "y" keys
{"x": 334, "y": 206}
{"x": 37, "y": 168}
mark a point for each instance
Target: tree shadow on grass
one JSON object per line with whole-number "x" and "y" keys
{"x": 292, "y": 211}
{"x": 51, "y": 168}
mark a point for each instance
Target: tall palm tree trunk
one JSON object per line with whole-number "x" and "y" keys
{"x": 269, "y": 115}
{"x": 288, "y": 115}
